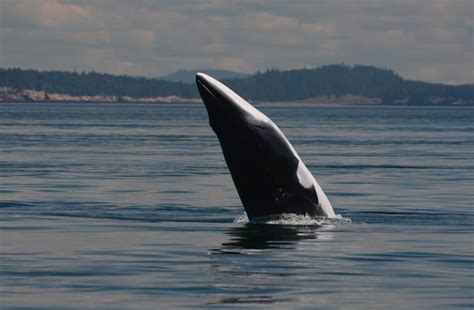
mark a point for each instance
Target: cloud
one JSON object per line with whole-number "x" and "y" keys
{"x": 425, "y": 39}
{"x": 44, "y": 14}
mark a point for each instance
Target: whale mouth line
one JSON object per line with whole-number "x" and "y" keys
{"x": 202, "y": 82}
{"x": 209, "y": 92}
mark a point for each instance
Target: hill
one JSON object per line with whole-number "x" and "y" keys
{"x": 188, "y": 76}
{"x": 376, "y": 85}
{"x": 93, "y": 84}
{"x": 341, "y": 80}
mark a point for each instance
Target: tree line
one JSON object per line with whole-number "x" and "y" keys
{"x": 271, "y": 85}
{"x": 93, "y": 84}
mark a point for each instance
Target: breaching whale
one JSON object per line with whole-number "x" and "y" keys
{"x": 269, "y": 175}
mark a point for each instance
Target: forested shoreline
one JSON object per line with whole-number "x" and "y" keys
{"x": 335, "y": 81}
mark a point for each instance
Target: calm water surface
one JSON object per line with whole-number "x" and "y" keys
{"x": 132, "y": 207}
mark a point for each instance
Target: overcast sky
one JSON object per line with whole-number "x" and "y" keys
{"x": 420, "y": 39}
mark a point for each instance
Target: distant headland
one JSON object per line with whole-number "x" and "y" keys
{"x": 331, "y": 84}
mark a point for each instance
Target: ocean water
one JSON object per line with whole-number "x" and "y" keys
{"x": 132, "y": 207}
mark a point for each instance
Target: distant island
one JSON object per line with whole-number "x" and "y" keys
{"x": 331, "y": 84}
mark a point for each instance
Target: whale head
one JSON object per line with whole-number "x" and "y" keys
{"x": 224, "y": 105}
{"x": 268, "y": 174}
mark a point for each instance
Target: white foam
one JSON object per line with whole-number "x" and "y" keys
{"x": 294, "y": 220}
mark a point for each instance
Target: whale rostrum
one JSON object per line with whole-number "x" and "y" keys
{"x": 269, "y": 175}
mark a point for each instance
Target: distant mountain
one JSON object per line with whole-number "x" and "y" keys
{"x": 188, "y": 76}
{"x": 329, "y": 84}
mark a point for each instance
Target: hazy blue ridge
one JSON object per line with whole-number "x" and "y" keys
{"x": 271, "y": 85}
{"x": 188, "y": 76}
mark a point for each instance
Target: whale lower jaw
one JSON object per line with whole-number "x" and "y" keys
{"x": 268, "y": 173}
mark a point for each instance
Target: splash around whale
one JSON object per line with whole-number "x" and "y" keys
{"x": 270, "y": 177}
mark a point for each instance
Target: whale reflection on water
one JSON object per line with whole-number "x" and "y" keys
{"x": 253, "y": 237}
{"x": 260, "y": 255}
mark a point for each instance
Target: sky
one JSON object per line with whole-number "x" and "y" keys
{"x": 431, "y": 40}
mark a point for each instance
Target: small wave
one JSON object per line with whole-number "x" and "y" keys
{"x": 106, "y": 211}
{"x": 413, "y": 217}
{"x": 294, "y": 220}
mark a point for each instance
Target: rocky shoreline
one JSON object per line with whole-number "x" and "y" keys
{"x": 8, "y": 94}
